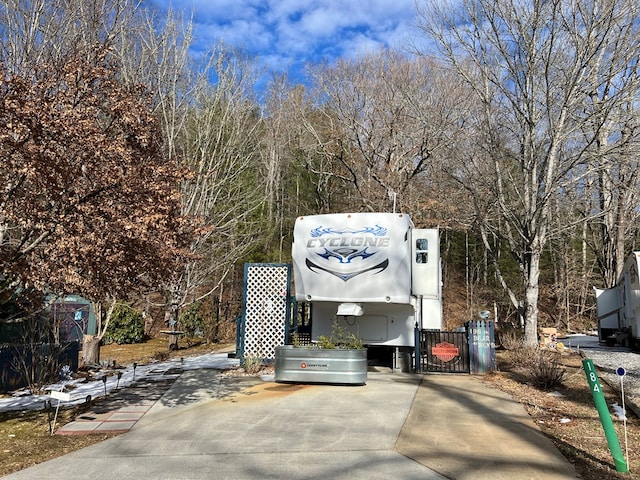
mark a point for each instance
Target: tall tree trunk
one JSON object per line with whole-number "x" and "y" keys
{"x": 531, "y": 293}
{"x": 91, "y": 343}
{"x": 90, "y": 350}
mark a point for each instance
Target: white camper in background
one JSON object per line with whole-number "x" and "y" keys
{"x": 373, "y": 273}
{"x": 619, "y": 307}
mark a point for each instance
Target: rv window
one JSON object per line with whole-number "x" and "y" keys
{"x": 422, "y": 250}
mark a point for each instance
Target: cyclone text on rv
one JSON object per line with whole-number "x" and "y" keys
{"x": 373, "y": 273}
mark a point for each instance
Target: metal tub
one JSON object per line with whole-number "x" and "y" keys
{"x": 317, "y": 365}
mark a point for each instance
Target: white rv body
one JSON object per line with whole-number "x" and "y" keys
{"x": 373, "y": 273}
{"x": 618, "y": 308}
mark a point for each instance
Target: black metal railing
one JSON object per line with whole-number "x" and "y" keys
{"x": 41, "y": 362}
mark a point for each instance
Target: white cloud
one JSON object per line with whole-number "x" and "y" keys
{"x": 214, "y": 9}
{"x": 360, "y": 45}
{"x": 323, "y": 22}
{"x": 288, "y": 10}
{"x": 291, "y": 32}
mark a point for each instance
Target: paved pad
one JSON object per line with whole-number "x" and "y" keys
{"x": 397, "y": 426}
{"x": 467, "y": 430}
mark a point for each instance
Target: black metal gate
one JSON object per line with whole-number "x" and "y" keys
{"x": 444, "y": 352}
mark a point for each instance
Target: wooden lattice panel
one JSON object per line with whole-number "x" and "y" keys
{"x": 266, "y": 308}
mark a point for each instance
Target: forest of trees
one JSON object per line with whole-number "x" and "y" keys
{"x": 133, "y": 171}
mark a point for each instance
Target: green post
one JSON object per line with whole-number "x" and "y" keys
{"x": 605, "y": 416}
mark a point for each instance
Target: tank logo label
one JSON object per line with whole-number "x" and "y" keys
{"x": 314, "y": 366}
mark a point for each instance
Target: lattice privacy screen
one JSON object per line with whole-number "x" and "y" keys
{"x": 266, "y": 310}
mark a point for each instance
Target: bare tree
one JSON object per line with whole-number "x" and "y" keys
{"x": 220, "y": 146}
{"x": 155, "y": 51}
{"x": 532, "y": 67}
{"x": 212, "y": 126}
{"x": 297, "y": 178}
{"x": 392, "y": 115}
{"x": 50, "y": 32}
{"x": 617, "y": 177}
{"x": 316, "y": 152}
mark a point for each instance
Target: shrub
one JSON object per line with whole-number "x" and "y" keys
{"x": 223, "y": 331}
{"x": 126, "y": 326}
{"x": 36, "y": 364}
{"x": 252, "y": 365}
{"x": 546, "y": 373}
{"x": 510, "y": 337}
{"x": 192, "y": 321}
{"x": 340, "y": 338}
{"x": 523, "y": 357}
{"x": 161, "y": 356}
{"x": 539, "y": 367}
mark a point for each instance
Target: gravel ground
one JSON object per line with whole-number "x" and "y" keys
{"x": 608, "y": 360}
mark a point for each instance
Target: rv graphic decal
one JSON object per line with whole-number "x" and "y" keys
{"x": 378, "y": 231}
{"x": 346, "y": 276}
{"x": 348, "y": 248}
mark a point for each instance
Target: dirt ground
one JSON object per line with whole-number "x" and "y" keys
{"x": 565, "y": 414}
{"x": 568, "y": 416}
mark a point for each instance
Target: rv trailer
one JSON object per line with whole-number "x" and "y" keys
{"x": 618, "y": 308}
{"x": 373, "y": 274}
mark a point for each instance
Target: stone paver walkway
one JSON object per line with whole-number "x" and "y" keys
{"x": 120, "y": 411}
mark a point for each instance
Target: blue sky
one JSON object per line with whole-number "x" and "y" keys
{"x": 284, "y": 35}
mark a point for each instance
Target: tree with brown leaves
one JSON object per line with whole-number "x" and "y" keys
{"x": 89, "y": 204}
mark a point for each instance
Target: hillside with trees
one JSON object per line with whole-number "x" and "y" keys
{"x": 134, "y": 172}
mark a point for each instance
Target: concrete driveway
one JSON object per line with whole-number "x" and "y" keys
{"x": 397, "y": 426}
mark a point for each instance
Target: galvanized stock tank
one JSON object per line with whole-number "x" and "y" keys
{"x": 318, "y": 365}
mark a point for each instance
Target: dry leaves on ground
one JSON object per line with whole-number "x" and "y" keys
{"x": 569, "y": 417}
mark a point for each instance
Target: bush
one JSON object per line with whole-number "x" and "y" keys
{"x": 546, "y": 373}
{"x": 340, "y": 338}
{"x": 509, "y": 337}
{"x": 252, "y": 365}
{"x": 161, "y": 356}
{"x": 192, "y": 321}
{"x": 539, "y": 367}
{"x": 523, "y": 357}
{"x": 126, "y": 326}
